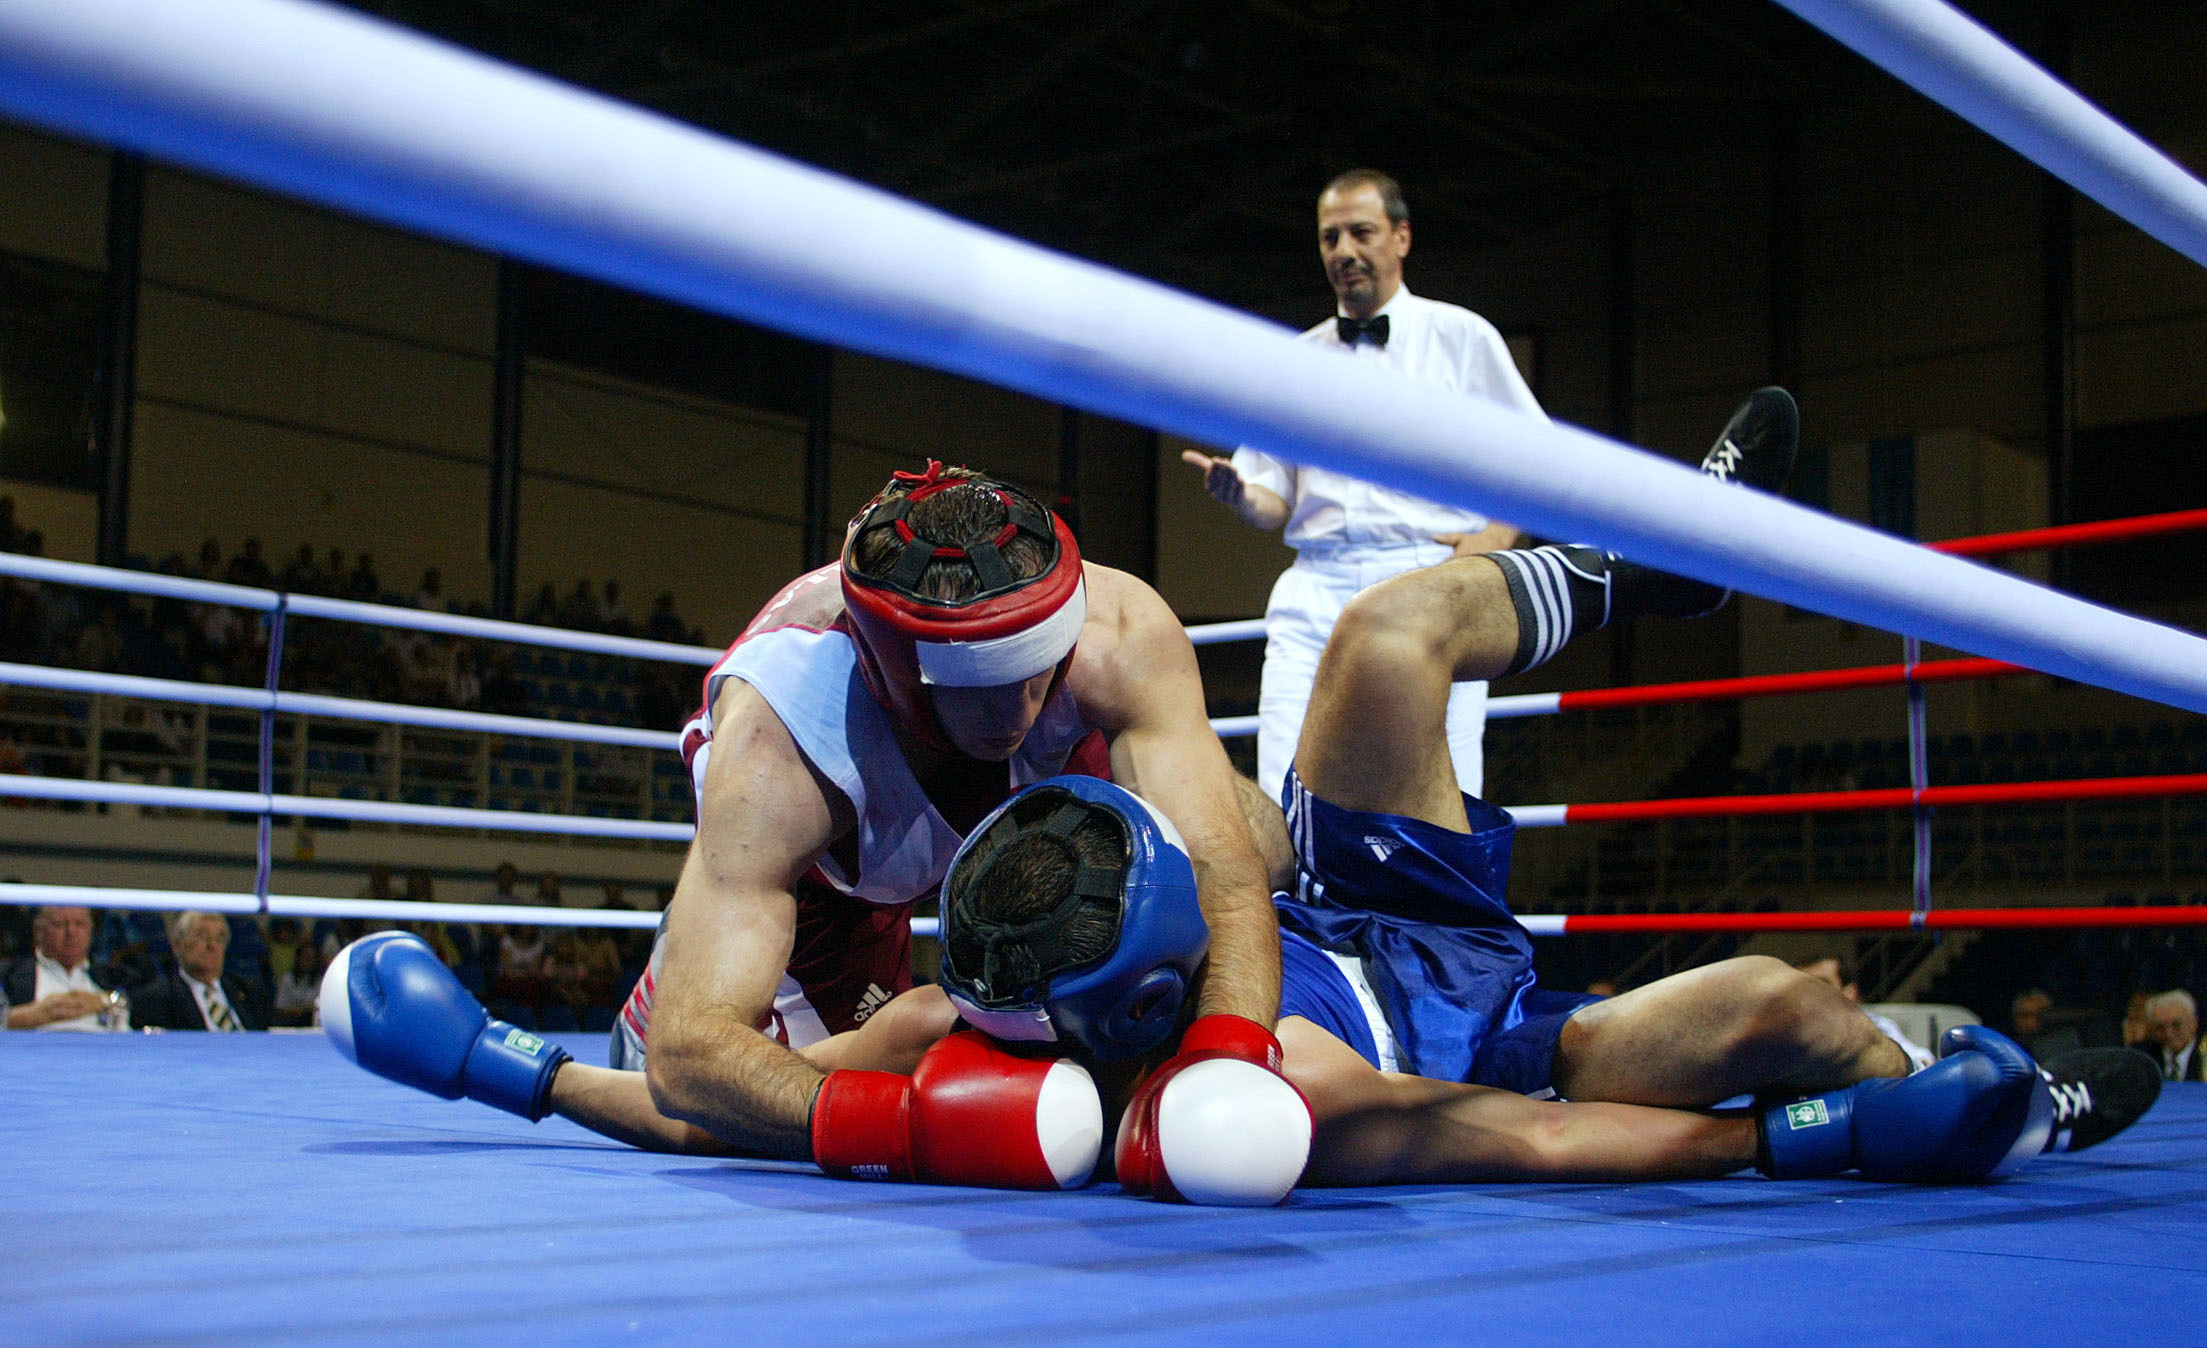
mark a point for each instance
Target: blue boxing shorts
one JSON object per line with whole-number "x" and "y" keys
{"x": 1414, "y": 913}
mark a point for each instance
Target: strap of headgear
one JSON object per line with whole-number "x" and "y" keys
{"x": 1020, "y": 956}
{"x": 1117, "y": 1005}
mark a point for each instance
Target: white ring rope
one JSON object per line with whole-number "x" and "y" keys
{"x": 1951, "y": 59}
{"x": 336, "y": 807}
{"x": 429, "y": 620}
{"x": 385, "y": 615}
{"x": 308, "y": 905}
{"x": 357, "y": 114}
{"x": 347, "y": 610}
{"x": 334, "y": 708}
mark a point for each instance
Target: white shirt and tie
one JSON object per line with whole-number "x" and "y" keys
{"x": 214, "y": 1008}
{"x": 1349, "y": 534}
{"x": 2174, "y": 1065}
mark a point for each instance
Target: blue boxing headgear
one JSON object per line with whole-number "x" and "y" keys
{"x": 1107, "y": 964}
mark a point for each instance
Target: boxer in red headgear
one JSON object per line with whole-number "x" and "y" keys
{"x": 920, "y": 618}
{"x": 866, "y": 719}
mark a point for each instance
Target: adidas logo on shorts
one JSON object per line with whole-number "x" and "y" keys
{"x": 1382, "y": 848}
{"x": 873, "y": 1001}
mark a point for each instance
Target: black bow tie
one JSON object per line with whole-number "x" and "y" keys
{"x": 1354, "y": 330}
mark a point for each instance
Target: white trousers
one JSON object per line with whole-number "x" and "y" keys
{"x": 1306, "y": 602}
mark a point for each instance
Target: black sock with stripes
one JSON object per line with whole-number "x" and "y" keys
{"x": 1558, "y": 590}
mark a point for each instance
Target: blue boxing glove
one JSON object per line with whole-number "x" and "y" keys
{"x": 1970, "y": 1116}
{"x": 389, "y": 1004}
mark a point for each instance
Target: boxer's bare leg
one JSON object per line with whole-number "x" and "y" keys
{"x": 619, "y": 1104}
{"x": 1385, "y": 1128}
{"x": 1729, "y": 1028}
{"x": 1375, "y": 737}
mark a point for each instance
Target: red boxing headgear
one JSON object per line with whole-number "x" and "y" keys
{"x": 1006, "y": 632}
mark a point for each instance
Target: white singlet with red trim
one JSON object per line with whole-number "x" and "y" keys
{"x": 810, "y": 679}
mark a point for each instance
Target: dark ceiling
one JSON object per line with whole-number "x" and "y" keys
{"x": 1184, "y": 142}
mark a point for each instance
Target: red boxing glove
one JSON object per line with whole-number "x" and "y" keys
{"x": 1217, "y": 1123}
{"x": 970, "y": 1113}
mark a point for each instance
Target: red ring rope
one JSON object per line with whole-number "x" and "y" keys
{"x": 1889, "y": 919}
{"x": 2075, "y": 535}
{"x": 1766, "y": 685}
{"x": 1889, "y": 798}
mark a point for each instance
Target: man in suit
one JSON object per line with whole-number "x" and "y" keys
{"x": 196, "y": 996}
{"x": 2172, "y": 1036}
{"x": 52, "y": 988}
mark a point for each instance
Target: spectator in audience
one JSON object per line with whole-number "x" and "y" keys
{"x": 520, "y": 977}
{"x": 580, "y": 609}
{"x": 379, "y": 884}
{"x": 2173, "y": 1019}
{"x": 544, "y": 609}
{"x": 567, "y": 990}
{"x": 613, "y": 614}
{"x": 210, "y": 560}
{"x": 12, "y": 760}
{"x": 503, "y": 693}
{"x": 53, "y": 988}
{"x": 1833, "y": 968}
{"x": 2029, "y": 1014}
{"x": 301, "y": 575}
{"x": 197, "y": 995}
{"x": 284, "y": 941}
{"x": 15, "y": 925}
{"x": 503, "y": 884}
{"x": 2136, "y": 1032}
{"x": 547, "y": 891}
{"x": 430, "y": 594}
{"x": 598, "y": 958}
{"x": 100, "y": 643}
{"x": 298, "y": 988}
{"x": 664, "y": 624}
{"x": 248, "y": 567}
{"x": 463, "y": 687}
{"x": 364, "y": 584}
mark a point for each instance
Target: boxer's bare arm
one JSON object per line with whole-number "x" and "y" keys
{"x": 1142, "y": 688}
{"x": 619, "y": 1104}
{"x": 763, "y": 817}
{"x": 1377, "y": 1127}
{"x": 894, "y": 1038}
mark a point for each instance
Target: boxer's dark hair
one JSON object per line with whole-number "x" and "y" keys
{"x": 1016, "y": 872}
{"x": 958, "y": 517}
{"x": 1390, "y": 191}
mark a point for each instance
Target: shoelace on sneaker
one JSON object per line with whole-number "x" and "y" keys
{"x": 1723, "y": 461}
{"x": 2072, "y": 1101}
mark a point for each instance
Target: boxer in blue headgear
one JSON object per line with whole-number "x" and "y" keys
{"x": 1070, "y": 915}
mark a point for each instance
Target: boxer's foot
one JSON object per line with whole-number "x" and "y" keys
{"x": 2098, "y": 1092}
{"x": 1755, "y": 449}
{"x": 1757, "y": 446}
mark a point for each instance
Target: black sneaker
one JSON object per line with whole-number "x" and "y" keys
{"x": 2098, "y": 1092}
{"x": 1755, "y": 449}
{"x": 1757, "y": 446}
